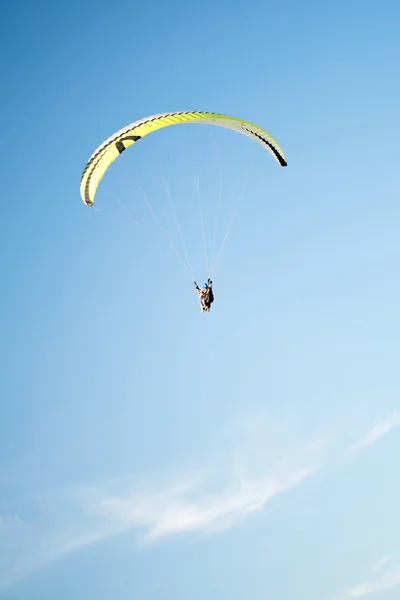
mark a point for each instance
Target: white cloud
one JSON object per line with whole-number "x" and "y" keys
{"x": 377, "y": 432}
{"x": 262, "y": 460}
{"x": 76, "y": 517}
{"x": 85, "y": 516}
{"x": 26, "y": 546}
{"x": 171, "y": 512}
{"x": 382, "y": 562}
{"x": 388, "y": 581}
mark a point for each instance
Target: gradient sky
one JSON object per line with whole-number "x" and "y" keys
{"x": 148, "y": 451}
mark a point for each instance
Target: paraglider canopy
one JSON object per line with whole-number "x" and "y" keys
{"x": 115, "y": 145}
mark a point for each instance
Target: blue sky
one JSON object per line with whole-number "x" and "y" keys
{"x": 150, "y": 451}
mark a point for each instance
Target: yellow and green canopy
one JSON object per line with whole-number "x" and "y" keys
{"x": 105, "y": 154}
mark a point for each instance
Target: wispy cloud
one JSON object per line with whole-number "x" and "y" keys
{"x": 172, "y": 512}
{"x": 382, "y": 562}
{"x": 377, "y": 432}
{"x": 260, "y": 461}
{"x": 26, "y": 546}
{"x": 388, "y": 581}
{"x": 251, "y": 475}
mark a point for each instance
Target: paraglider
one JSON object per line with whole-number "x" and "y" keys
{"x": 205, "y": 294}
{"x": 115, "y": 145}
